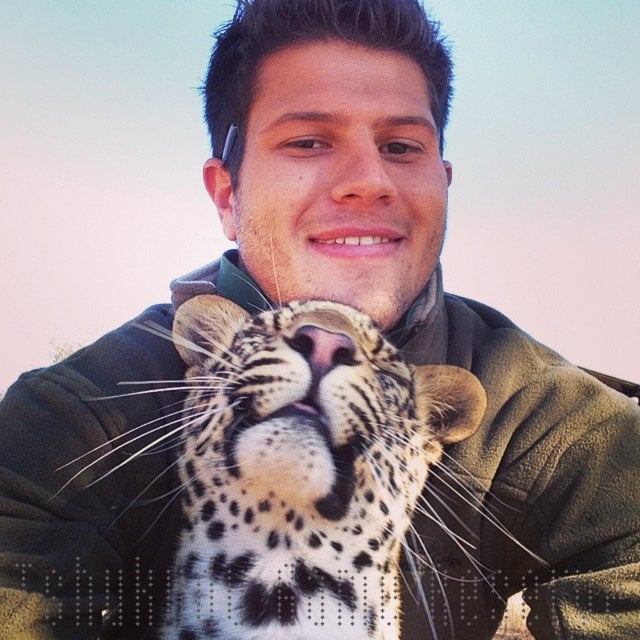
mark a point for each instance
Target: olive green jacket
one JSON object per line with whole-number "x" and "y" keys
{"x": 544, "y": 497}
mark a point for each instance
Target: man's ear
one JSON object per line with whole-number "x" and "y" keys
{"x": 217, "y": 180}
{"x": 448, "y": 169}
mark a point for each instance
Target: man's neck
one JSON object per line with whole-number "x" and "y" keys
{"x": 236, "y": 284}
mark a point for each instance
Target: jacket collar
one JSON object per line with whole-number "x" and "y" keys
{"x": 420, "y": 333}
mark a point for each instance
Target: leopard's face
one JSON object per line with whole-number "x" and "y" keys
{"x": 307, "y": 442}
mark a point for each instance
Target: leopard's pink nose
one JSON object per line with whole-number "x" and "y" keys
{"x": 323, "y": 349}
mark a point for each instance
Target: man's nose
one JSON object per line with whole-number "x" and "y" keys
{"x": 323, "y": 349}
{"x": 362, "y": 177}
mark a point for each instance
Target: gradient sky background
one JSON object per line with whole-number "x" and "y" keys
{"x": 102, "y": 144}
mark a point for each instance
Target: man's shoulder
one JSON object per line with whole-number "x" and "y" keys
{"x": 144, "y": 338}
{"x": 139, "y": 350}
{"x": 478, "y": 312}
{"x": 508, "y": 361}
{"x": 540, "y": 404}
{"x": 480, "y": 336}
{"x": 498, "y": 338}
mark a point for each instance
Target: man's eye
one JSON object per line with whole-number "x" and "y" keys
{"x": 309, "y": 143}
{"x": 398, "y": 148}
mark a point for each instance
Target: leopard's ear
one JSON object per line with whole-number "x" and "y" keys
{"x": 204, "y": 326}
{"x": 450, "y": 399}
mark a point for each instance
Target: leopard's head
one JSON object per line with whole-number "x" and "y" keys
{"x": 305, "y": 418}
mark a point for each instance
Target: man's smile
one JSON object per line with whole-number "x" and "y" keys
{"x": 355, "y": 240}
{"x": 356, "y": 234}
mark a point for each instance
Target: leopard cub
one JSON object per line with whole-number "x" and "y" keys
{"x": 307, "y": 440}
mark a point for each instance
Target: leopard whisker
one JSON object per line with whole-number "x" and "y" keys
{"x": 186, "y": 387}
{"x": 473, "y": 479}
{"x": 411, "y": 560}
{"x": 486, "y": 513}
{"x": 273, "y": 266}
{"x": 472, "y": 501}
{"x": 404, "y": 439}
{"x": 182, "y": 425}
{"x": 427, "y": 561}
{"x": 105, "y": 455}
{"x": 162, "y": 332}
{"x": 139, "y": 453}
{"x": 478, "y": 566}
{"x": 257, "y": 290}
{"x": 402, "y": 422}
{"x": 109, "y": 442}
{"x": 426, "y": 509}
{"x": 192, "y": 382}
{"x": 481, "y": 507}
{"x": 440, "y": 497}
{"x": 138, "y": 502}
{"x": 170, "y": 445}
{"x": 176, "y": 495}
{"x": 179, "y": 381}
{"x": 171, "y": 492}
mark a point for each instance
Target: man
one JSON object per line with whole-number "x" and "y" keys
{"x": 327, "y": 120}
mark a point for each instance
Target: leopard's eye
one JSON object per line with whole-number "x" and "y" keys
{"x": 242, "y": 404}
{"x": 393, "y": 374}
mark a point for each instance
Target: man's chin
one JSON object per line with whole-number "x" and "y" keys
{"x": 385, "y": 308}
{"x": 384, "y": 305}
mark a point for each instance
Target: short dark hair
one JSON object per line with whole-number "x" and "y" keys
{"x": 261, "y": 27}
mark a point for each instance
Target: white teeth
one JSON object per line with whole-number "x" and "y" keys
{"x": 357, "y": 240}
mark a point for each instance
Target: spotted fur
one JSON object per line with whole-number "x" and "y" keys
{"x": 301, "y": 467}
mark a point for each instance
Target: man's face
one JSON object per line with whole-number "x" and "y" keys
{"x": 342, "y": 193}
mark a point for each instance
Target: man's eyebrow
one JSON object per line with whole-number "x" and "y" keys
{"x": 327, "y": 116}
{"x": 411, "y": 120}
{"x": 304, "y": 116}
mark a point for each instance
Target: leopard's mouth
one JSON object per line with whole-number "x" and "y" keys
{"x": 306, "y": 407}
{"x": 309, "y": 415}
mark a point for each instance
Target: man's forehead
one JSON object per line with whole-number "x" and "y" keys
{"x": 340, "y": 63}
{"x": 336, "y": 82}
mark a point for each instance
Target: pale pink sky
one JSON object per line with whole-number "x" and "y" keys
{"x": 101, "y": 148}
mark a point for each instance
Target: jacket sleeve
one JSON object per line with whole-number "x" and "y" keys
{"x": 570, "y": 464}
{"x": 587, "y": 506}
{"x": 66, "y": 545}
